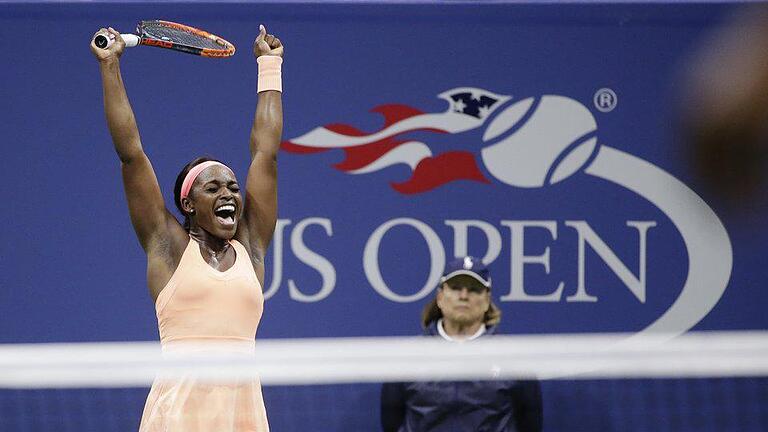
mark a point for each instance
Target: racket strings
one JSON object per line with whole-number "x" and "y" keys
{"x": 180, "y": 36}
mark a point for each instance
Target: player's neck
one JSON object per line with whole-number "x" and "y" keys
{"x": 208, "y": 241}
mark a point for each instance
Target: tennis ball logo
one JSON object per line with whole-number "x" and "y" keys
{"x": 539, "y": 141}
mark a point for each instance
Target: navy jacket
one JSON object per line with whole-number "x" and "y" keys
{"x": 466, "y": 406}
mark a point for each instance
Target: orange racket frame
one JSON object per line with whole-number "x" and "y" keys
{"x": 145, "y": 37}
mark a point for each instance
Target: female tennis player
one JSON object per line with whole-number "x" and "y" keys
{"x": 205, "y": 275}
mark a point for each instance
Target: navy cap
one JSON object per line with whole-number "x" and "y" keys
{"x": 469, "y": 266}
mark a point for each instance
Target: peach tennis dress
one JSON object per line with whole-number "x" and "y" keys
{"x": 198, "y": 305}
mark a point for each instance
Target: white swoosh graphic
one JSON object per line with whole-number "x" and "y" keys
{"x": 410, "y": 153}
{"x": 450, "y": 122}
{"x": 710, "y": 254}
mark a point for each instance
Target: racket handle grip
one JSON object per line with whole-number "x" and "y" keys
{"x": 131, "y": 40}
{"x": 104, "y": 41}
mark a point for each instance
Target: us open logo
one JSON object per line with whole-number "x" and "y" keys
{"x": 532, "y": 143}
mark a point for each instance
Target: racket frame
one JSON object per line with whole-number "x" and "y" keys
{"x": 145, "y": 38}
{"x": 227, "y": 49}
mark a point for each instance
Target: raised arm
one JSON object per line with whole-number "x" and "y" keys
{"x": 261, "y": 186}
{"x": 145, "y": 201}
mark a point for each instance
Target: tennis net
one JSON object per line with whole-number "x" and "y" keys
{"x": 712, "y": 381}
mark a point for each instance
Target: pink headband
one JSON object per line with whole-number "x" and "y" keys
{"x": 186, "y": 186}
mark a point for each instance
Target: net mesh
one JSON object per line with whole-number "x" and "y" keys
{"x": 700, "y": 404}
{"x": 671, "y": 386}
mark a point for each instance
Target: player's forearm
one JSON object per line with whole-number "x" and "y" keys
{"x": 120, "y": 118}
{"x": 267, "y": 127}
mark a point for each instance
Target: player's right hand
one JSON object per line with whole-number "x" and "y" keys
{"x": 114, "y": 51}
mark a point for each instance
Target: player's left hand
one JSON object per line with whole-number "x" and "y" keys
{"x": 267, "y": 44}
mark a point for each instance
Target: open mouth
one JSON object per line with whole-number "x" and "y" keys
{"x": 225, "y": 214}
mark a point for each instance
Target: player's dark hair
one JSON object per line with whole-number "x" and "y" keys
{"x": 180, "y": 181}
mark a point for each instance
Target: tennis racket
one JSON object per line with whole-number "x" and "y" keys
{"x": 170, "y": 35}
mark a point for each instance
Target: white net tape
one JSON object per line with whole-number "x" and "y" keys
{"x": 360, "y": 360}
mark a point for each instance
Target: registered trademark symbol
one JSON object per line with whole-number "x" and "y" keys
{"x": 605, "y": 100}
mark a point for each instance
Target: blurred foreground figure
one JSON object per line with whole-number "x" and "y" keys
{"x": 726, "y": 105}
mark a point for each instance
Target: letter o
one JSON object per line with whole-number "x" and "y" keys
{"x": 371, "y": 260}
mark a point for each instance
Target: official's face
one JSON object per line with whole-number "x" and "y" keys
{"x": 463, "y": 300}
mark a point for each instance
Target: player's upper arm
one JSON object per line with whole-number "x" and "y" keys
{"x": 261, "y": 199}
{"x": 145, "y": 200}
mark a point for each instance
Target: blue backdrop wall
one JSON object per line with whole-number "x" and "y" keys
{"x": 540, "y": 137}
